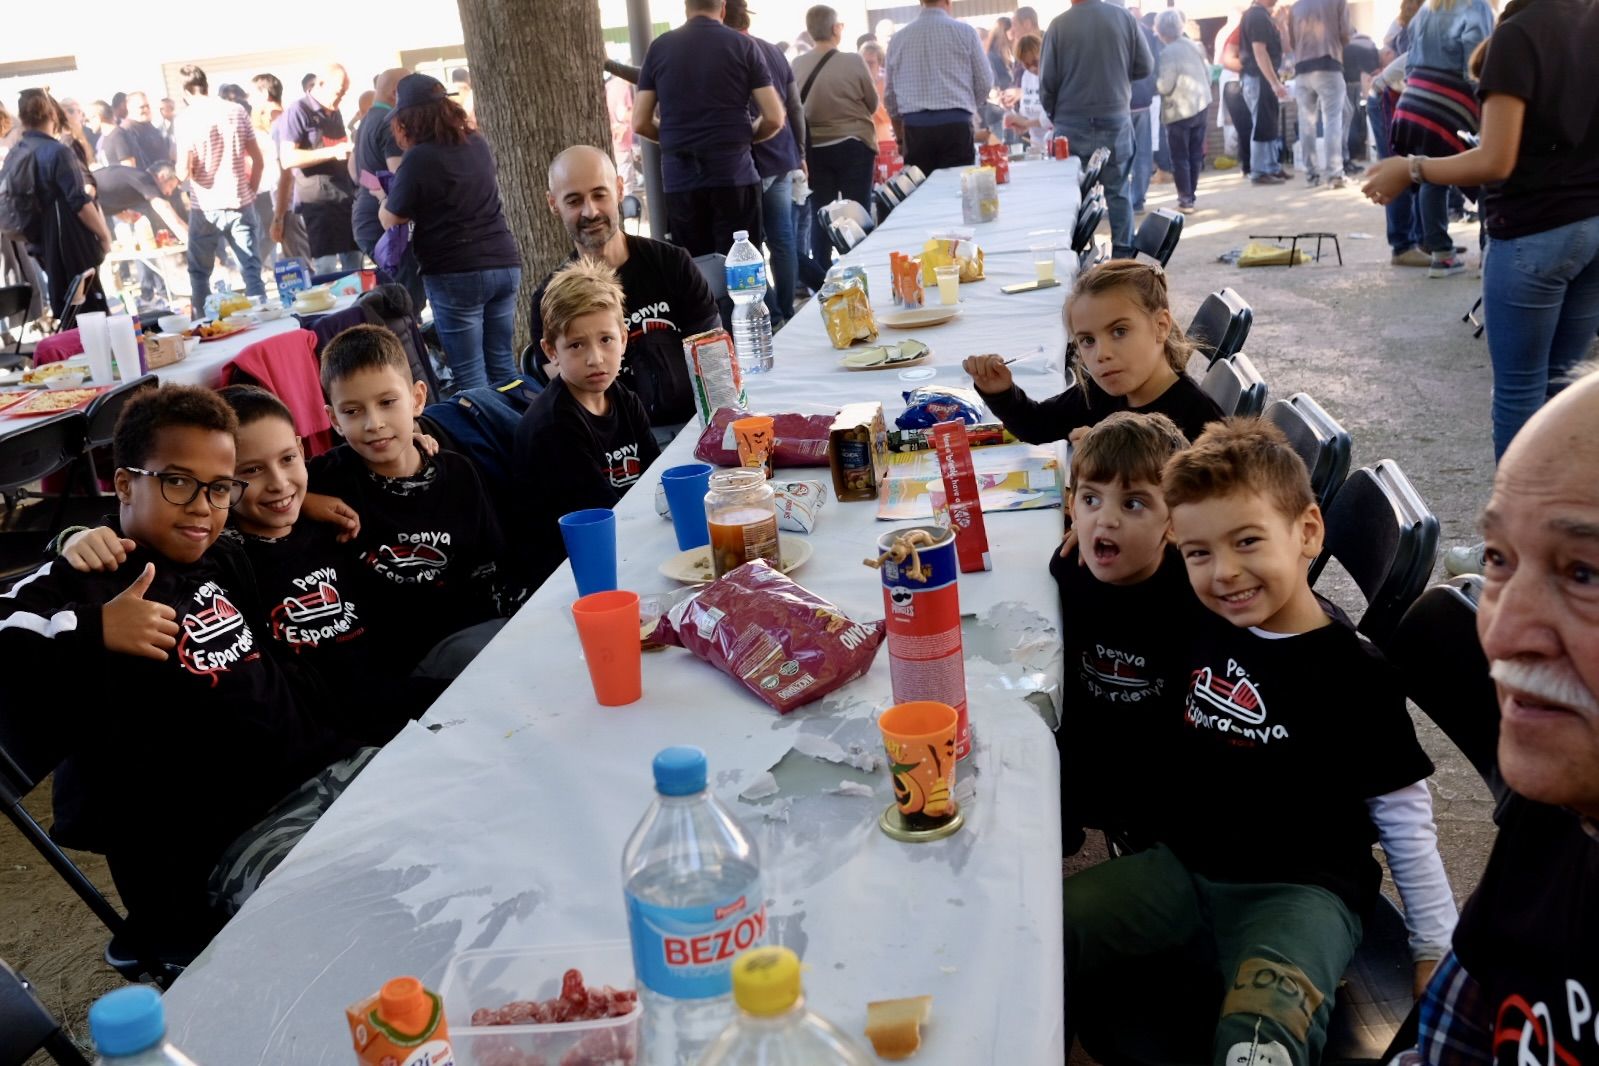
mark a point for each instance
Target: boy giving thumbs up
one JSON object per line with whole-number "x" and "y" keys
{"x": 175, "y": 729}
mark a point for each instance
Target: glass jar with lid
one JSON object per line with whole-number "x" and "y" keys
{"x": 742, "y": 514}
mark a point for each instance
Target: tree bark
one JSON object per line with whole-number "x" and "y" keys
{"x": 537, "y": 88}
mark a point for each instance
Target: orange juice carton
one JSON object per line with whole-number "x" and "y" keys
{"x": 960, "y": 488}
{"x": 402, "y": 1024}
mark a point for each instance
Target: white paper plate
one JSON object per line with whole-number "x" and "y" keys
{"x": 693, "y": 567}
{"x": 912, "y": 318}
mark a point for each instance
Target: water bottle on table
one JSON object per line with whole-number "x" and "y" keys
{"x": 691, "y": 875}
{"x": 752, "y": 323}
{"x": 129, "y": 1028}
{"x": 773, "y": 1027}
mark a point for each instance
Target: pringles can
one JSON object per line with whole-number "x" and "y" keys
{"x": 1062, "y": 146}
{"x": 921, "y": 601}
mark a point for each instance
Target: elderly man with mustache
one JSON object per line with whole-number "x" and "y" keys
{"x": 1521, "y": 986}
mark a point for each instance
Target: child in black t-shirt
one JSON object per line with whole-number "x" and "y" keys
{"x": 1127, "y": 610}
{"x": 586, "y": 438}
{"x": 1292, "y": 755}
{"x": 428, "y": 538}
{"x": 1130, "y": 355}
{"x": 179, "y": 728}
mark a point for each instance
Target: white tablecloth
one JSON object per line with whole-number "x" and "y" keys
{"x": 500, "y": 819}
{"x": 204, "y": 367}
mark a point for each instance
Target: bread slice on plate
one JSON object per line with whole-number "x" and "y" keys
{"x": 894, "y": 1026}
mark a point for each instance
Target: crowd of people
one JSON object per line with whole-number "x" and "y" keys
{"x": 305, "y": 609}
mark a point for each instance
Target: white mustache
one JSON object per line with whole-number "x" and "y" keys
{"x": 1546, "y": 682}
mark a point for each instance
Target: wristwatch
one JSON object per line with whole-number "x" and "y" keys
{"x": 1415, "y": 168}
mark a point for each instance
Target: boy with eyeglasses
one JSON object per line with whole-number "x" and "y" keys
{"x": 181, "y": 731}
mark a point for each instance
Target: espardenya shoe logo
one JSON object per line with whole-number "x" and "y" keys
{"x": 417, "y": 558}
{"x": 212, "y": 623}
{"x": 1230, "y": 704}
{"x": 319, "y": 615}
{"x": 1117, "y": 676}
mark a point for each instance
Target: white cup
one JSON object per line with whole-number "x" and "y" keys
{"x": 95, "y": 335}
{"x": 124, "y": 347}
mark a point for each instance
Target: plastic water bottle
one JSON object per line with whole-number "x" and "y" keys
{"x": 691, "y": 876}
{"x": 129, "y": 1028}
{"x": 752, "y": 323}
{"x": 773, "y": 1027}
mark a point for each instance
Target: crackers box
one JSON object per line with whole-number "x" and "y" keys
{"x": 960, "y": 489}
{"x": 164, "y": 349}
{"x": 857, "y": 450}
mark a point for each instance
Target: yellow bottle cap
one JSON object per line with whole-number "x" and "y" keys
{"x": 766, "y": 981}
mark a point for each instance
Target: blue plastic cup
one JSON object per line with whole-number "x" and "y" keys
{"x": 686, "y": 487}
{"x": 591, "y": 545}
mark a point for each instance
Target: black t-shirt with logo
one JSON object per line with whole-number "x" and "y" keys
{"x": 1529, "y": 936}
{"x": 221, "y": 715}
{"x": 566, "y": 459}
{"x": 667, "y": 300}
{"x": 1125, "y": 649}
{"x": 1257, "y": 27}
{"x": 1280, "y": 742}
{"x": 428, "y": 543}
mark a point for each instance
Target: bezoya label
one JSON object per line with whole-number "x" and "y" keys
{"x": 746, "y": 276}
{"x": 688, "y": 952}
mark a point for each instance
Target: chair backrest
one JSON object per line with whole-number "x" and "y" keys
{"x": 889, "y": 193}
{"x": 915, "y": 174}
{"x": 1321, "y": 442}
{"x": 102, "y": 414}
{"x": 713, "y": 268}
{"x": 1436, "y": 650}
{"x": 27, "y": 1026}
{"x": 34, "y": 449}
{"x": 1221, "y": 325}
{"x": 1088, "y": 220}
{"x": 1096, "y": 163}
{"x": 631, "y": 207}
{"x": 903, "y": 183}
{"x": 14, "y": 300}
{"x": 841, "y": 209}
{"x": 1386, "y": 538}
{"x": 1158, "y": 234}
{"x": 390, "y": 306}
{"x": 882, "y": 203}
{"x": 1236, "y": 386}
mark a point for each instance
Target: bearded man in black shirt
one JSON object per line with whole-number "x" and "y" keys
{"x": 1522, "y": 983}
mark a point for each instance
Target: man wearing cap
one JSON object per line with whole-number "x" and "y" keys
{"x": 377, "y": 150}
{"x": 938, "y": 78}
{"x": 313, "y": 145}
{"x": 702, "y": 76}
{"x": 1521, "y": 984}
{"x": 665, "y": 295}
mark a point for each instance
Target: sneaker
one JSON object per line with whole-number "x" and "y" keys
{"x": 1268, "y": 179}
{"x": 1312, "y": 179}
{"x": 1466, "y": 559}
{"x": 1411, "y": 257}
{"x": 1335, "y": 182}
{"x": 1446, "y": 266}
{"x": 1351, "y": 169}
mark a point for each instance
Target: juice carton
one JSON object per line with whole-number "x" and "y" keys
{"x": 960, "y": 488}
{"x": 857, "y": 449}
{"x": 401, "y": 1025}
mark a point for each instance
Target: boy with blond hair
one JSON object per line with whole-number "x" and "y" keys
{"x": 586, "y": 439}
{"x": 1292, "y": 755}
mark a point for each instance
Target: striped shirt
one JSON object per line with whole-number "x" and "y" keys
{"x": 936, "y": 64}
{"x": 215, "y": 137}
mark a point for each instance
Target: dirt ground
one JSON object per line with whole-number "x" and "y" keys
{"x": 1381, "y": 347}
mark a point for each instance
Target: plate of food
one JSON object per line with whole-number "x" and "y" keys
{"x": 64, "y": 371}
{"x": 914, "y": 317}
{"x": 693, "y": 567}
{"x": 887, "y": 356}
{"x": 9, "y": 400}
{"x": 52, "y": 402}
{"x": 215, "y": 331}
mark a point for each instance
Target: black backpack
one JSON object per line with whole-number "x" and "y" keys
{"x": 19, "y": 193}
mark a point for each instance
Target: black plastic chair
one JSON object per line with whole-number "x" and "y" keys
{"x": 1221, "y": 325}
{"x": 713, "y": 268}
{"x": 1436, "y": 649}
{"x": 14, "y": 300}
{"x": 27, "y": 1026}
{"x": 632, "y": 209}
{"x": 101, "y": 417}
{"x": 1321, "y": 442}
{"x": 1088, "y": 220}
{"x": 30, "y": 450}
{"x": 1374, "y": 998}
{"x": 1157, "y": 236}
{"x": 1236, "y": 386}
{"x": 27, "y": 756}
{"x": 1096, "y": 163}
{"x": 1386, "y": 538}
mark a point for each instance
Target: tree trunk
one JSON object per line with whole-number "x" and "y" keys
{"x": 537, "y": 88}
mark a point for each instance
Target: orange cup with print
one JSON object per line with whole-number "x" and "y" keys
{"x": 756, "y": 441}
{"x": 608, "y": 626}
{"x": 919, "y": 738}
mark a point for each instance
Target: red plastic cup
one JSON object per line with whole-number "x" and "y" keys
{"x": 608, "y": 626}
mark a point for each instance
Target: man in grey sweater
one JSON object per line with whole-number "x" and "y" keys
{"x": 1093, "y": 53}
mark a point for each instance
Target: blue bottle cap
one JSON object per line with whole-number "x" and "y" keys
{"x": 680, "y": 771}
{"x": 127, "y": 1021}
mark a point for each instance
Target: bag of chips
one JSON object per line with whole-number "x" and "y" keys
{"x": 847, "y": 311}
{"x": 783, "y": 643}
{"x": 928, "y": 405}
{"x": 953, "y": 246}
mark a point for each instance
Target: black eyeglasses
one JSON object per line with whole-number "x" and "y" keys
{"x": 181, "y": 489}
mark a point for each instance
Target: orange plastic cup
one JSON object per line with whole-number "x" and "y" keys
{"x": 920, "y": 740}
{"x": 755, "y": 441}
{"x": 608, "y": 626}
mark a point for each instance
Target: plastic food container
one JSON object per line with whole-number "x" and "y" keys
{"x": 493, "y": 977}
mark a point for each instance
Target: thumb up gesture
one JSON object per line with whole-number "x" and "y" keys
{"x": 133, "y": 625}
